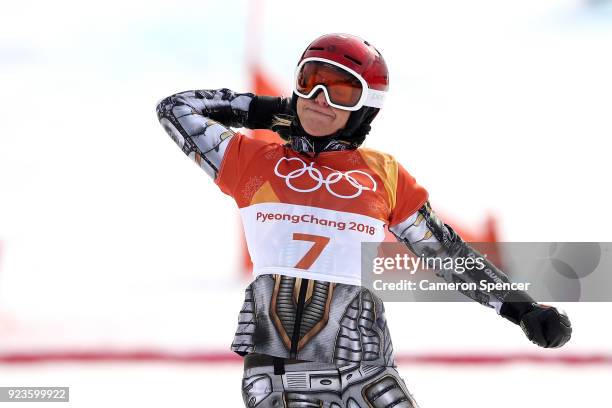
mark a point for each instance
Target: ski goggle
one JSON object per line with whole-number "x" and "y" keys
{"x": 343, "y": 88}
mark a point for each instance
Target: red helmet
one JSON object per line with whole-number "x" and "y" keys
{"x": 358, "y": 57}
{"x": 353, "y": 53}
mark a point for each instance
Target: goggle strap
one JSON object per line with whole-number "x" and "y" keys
{"x": 375, "y": 98}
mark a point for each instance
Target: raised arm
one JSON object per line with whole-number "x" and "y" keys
{"x": 425, "y": 234}
{"x": 199, "y": 121}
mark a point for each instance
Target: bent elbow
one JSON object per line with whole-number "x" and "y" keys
{"x": 164, "y": 106}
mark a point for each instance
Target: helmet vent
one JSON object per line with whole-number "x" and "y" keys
{"x": 356, "y": 61}
{"x": 316, "y": 48}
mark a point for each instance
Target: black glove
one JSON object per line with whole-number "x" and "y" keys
{"x": 544, "y": 325}
{"x": 263, "y": 110}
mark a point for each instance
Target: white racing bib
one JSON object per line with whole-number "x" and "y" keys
{"x": 308, "y": 242}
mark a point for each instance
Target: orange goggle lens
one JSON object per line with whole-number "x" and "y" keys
{"x": 343, "y": 88}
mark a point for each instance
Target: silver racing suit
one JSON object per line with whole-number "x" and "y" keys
{"x": 308, "y": 342}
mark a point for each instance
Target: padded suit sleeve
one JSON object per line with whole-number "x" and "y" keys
{"x": 426, "y": 234}
{"x": 200, "y": 122}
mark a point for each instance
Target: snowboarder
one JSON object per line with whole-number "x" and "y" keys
{"x": 310, "y": 334}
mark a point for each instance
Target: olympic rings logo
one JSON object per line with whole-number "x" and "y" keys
{"x": 332, "y": 178}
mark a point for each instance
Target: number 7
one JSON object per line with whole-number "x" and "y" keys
{"x": 313, "y": 253}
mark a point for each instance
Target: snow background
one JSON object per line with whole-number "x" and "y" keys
{"x": 111, "y": 239}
